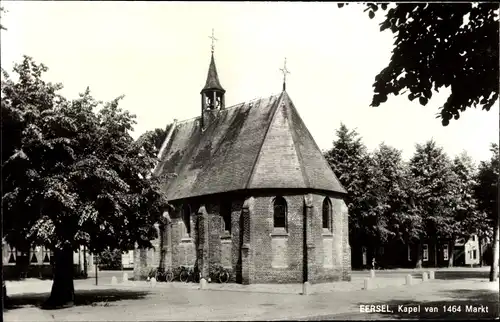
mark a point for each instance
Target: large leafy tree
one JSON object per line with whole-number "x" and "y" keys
{"x": 394, "y": 195}
{"x": 467, "y": 219}
{"x": 487, "y": 198}
{"x": 354, "y": 168}
{"x": 440, "y": 45}
{"x": 72, "y": 174}
{"x": 434, "y": 183}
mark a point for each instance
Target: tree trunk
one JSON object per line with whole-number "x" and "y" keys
{"x": 479, "y": 241}
{"x": 435, "y": 252}
{"x": 161, "y": 265}
{"x": 5, "y": 298}
{"x": 85, "y": 261}
{"x": 494, "y": 263}
{"x": 419, "y": 255}
{"x": 63, "y": 290}
{"x": 451, "y": 255}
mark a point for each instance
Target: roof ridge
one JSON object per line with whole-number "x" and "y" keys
{"x": 259, "y": 151}
{"x": 230, "y": 107}
{"x": 305, "y": 177}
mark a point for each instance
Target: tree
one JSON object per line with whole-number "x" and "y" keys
{"x": 72, "y": 176}
{"x": 441, "y": 45}
{"x": 434, "y": 183}
{"x": 395, "y": 194}
{"x": 110, "y": 259}
{"x": 486, "y": 193}
{"x": 467, "y": 219}
{"x": 352, "y": 165}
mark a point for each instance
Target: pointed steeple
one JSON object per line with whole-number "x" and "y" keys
{"x": 212, "y": 82}
{"x": 212, "y": 94}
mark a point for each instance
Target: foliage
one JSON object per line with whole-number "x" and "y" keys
{"x": 467, "y": 218}
{"x": 486, "y": 190}
{"x": 352, "y": 165}
{"x": 394, "y": 194}
{"x": 73, "y": 176}
{"x": 486, "y": 193}
{"x": 2, "y": 10}
{"x": 441, "y": 45}
{"x": 110, "y": 259}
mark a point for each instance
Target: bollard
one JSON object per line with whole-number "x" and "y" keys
{"x": 409, "y": 279}
{"x": 368, "y": 284}
{"x": 153, "y": 282}
{"x": 113, "y": 280}
{"x": 125, "y": 277}
{"x": 203, "y": 284}
{"x": 432, "y": 275}
{"x": 372, "y": 273}
{"x": 424, "y": 277}
{"x": 306, "y": 288}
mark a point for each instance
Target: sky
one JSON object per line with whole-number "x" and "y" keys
{"x": 157, "y": 55}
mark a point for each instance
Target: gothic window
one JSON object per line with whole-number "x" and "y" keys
{"x": 34, "y": 259}
{"x": 225, "y": 212}
{"x": 12, "y": 255}
{"x": 186, "y": 218}
{"x": 45, "y": 255}
{"x": 327, "y": 215}
{"x": 280, "y": 213}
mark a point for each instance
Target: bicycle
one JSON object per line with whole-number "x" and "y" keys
{"x": 189, "y": 273}
{"x": 219, "y": 273}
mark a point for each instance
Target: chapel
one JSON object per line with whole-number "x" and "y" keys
{"x": 252, "y": 192}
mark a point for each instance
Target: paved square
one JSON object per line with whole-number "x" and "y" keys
{"x": 137, "y": 301}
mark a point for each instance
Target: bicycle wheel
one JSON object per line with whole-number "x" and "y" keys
{"x": 169, "y": 276}
{"x": 184, "y": 276}
{"x": 224, "y": 277}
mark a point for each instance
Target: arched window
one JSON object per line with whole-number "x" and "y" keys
{"x": 327, "y": 215}
{"x": 225, "y": 212}
{"x": 186, "y": 218}
{"x": 280, "y": 213}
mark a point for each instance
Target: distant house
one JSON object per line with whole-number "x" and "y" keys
{"x": 399, "y": 255}
{"x": 467, "y": 252}
{"x": 36, "y": 261}
{"x": 128, "y": 260}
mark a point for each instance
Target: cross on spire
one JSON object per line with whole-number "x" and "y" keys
{"x": 285, "y": 71}
{"x": 213, "y": 40}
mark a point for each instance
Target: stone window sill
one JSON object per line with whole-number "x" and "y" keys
{"x": 279, "y": 233}
{"x": 327, "y": 233}
{"x": 186, "y": 240}
{"x": 226, "y": 238}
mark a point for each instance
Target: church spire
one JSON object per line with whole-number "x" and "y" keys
{"x": 212, "y": 94}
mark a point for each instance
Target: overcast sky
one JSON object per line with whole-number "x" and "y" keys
{"x": 157, "y": 55}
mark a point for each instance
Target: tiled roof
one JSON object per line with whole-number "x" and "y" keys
{"x": 261, "y": 144}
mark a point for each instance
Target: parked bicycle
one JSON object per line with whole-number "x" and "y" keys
{"x": 163, "y": 275}
{"x": 189, "y": 274}
{"x": 219, "y": 274}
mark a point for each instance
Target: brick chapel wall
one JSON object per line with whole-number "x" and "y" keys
{"x": 280, "y": 259}
{"x": 223, "y": 250}
{"x": 276, "y": 258}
